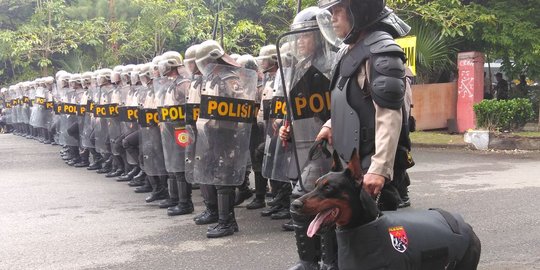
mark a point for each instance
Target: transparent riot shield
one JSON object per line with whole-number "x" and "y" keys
{"x": 150, "y": 134}
{"x": 118, "y": 98}
{"x": 275, "y": 158}
{"x": 14, "y": 107}
{"x": 25, "y": 107}
{"x": 306, "y": 81}
{"x": 48, "y": 113}
{"x": 129, "y": 117}
{"x": 193, "y": 102}
{"x": 172, "y": 122}
{"x": 103, "y": 111}
{"x": 34, "y": 106}
{"x": 38, "y": 108}
{"x": 69, "y": 120}
{"x": 224, "y": 125}
{"x": 54, "y": 101}
{"x": 87, "y": 117}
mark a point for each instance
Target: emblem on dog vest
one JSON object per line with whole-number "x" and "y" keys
{"x": 399, "y": 239}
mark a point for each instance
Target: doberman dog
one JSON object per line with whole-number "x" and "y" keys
{"x": 369, "y": 239}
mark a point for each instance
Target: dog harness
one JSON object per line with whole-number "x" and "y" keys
{"x": 420, "y": 240}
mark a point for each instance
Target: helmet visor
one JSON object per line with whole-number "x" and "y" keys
{"x": 324, "y": 4}
{"x": 324, "y": 20}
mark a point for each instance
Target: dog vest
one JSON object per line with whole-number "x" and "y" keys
{"x": 415, "y": 240}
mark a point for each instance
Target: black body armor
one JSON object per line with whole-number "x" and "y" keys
{"x": 353, "y": 111}
{"x": 420, "y": 240}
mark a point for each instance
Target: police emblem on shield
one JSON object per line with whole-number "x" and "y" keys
{"x": 399, "y": 239}
{"x": 182, "y": 137}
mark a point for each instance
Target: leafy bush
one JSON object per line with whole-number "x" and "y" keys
{"x": 499, "y": 115}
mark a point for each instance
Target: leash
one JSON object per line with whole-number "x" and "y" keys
{"x": 377, "y": 203}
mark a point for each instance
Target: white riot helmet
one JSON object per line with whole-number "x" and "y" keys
{"x": 60, "y": 73}
{"x": 191, "y": 54}
{"x": 86, "y": 79}
{"x": 103, "y": 77}
{"x": 74, "y": 80}
{"x": 48, "y": 80}
{"x": 134, "y": 74}
{"x": 116, "y": 74}
{"x": 145, "y": 73}
{"x": 171, "y": 60}
{"x": 189, "y": 59}
{"x": 63, "y": 80}
{"x": 267, "y": 57}
{"x": 125, "y": 75}
{"x": 248, "y": 61}
{"x": 235, "y": 56}
{"x": 155, "y": 66}
{"x": 210, "y": 52}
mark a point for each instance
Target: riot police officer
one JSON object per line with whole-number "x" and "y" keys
{"x": 308, "y": 78}
{"x": 174, "y": 86}
{"x": 222, "y": 142}
{"x": 368, "y": 89}
{"x": 380, "y": 128}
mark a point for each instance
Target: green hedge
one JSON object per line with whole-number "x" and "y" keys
{"x": 501, "y": 115}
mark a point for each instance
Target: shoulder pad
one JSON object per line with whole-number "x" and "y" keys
{"x": 380, "y": 42}
{"x": 387, "y": 81}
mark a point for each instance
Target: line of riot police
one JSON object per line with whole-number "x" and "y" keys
{"x": 204, "y": 120}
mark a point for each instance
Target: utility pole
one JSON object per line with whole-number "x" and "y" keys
{"x": 112, "y": 19}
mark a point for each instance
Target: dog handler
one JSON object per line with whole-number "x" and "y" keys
{"x": 368, "y": 90}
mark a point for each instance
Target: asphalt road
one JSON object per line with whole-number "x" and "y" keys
{"x": 56, "y": 217}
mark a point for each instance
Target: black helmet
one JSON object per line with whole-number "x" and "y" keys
{"x": 306, "y": 19}
{"x": 364, "y": 13}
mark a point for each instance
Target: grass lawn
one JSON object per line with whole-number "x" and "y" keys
{"x": 437, "y": 137}
{"x": 530, "y": 134}
{"x": 443, "y": 138}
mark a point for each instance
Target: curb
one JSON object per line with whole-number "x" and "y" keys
{"x": 444, "y": 146}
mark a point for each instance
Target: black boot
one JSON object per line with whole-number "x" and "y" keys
{"x": 283, "y": 193}
{"x": 106, "y": 166}
{"x": 260, "y": 192}
{"x": 145, "y": 187}
{"x": 97, "y": 160}
{"x": 285, "y": 202}
{"x": 71, "y": 153}
{"x": 77, "y": 157}
{"x": 243, "y": 192}
{"x": 159, "y": 190}
{"x": 272, "y": 210}
{"x": 185, "y": 205}
{"x": 210, "y": 214}
{"x": 129, "y": 176}
{"x": 173, "y": 193}
{"x": 403, "y": 190}
{"x": 308, "y": 248}
{"x": 84, "y": 159}
{"x": 118, "y": 167}
{"x": 48, "y": 137}
{"x": 226, "y": 223}
{"x": 329, "y": 250}
{"x": 288, "y": 226}
{"x": 139, "y": 179}
{"x": 115, "y": 173}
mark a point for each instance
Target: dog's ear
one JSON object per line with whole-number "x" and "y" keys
{"x": 355, "y": 168}
{"x": 337, "y": 166}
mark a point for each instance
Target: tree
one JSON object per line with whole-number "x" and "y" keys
{"x": 513, "y": 36}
